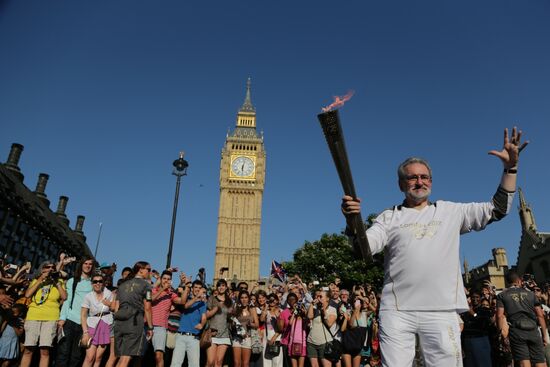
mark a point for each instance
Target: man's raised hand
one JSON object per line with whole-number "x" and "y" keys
{"x": 509, "y": 155}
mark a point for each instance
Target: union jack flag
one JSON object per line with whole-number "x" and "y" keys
{"x": 277, "y": 271}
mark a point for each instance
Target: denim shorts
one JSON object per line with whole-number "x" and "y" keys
{"x": 159, "y": 338}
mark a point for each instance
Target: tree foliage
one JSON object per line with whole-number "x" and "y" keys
{"x": 332, "y": 257}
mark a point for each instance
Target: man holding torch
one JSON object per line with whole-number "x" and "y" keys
{"x": 423, "y": 288}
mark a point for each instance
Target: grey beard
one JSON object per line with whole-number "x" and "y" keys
{"x": 417, "y": 198}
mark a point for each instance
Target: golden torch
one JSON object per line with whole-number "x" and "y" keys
{"x": 330, "y": 122}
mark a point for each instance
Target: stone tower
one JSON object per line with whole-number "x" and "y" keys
{"x": 534, "y": 248}
{"x": 526, "y": 214}
{"x": 499, "y": 255}
{"x": 242, "y": 179}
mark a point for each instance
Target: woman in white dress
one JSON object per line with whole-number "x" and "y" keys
{"x": 97, "y": 321}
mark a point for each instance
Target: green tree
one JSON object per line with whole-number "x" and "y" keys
{"x": 332, "y": 257}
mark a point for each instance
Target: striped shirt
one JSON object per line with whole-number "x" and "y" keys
{"x": 161, "y": 306}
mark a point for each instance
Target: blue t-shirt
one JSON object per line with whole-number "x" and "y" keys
{"x": 190, "y": 317}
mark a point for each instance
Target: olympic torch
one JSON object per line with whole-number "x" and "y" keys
{"x": 330, "y": 123}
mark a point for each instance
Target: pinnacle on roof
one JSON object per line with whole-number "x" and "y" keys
{"x": 247, "y": 105}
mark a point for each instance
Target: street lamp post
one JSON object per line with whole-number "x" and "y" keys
{"x": 180, "y": 169}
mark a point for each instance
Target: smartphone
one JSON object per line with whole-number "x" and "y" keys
{"x": 357, "y": 302}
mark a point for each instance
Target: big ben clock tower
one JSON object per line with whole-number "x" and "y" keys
{"x": 242, "y": 178}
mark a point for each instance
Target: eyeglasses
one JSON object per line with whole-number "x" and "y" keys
{"x": 48, "y": 267}
{"x": 97, "y": 281}
{"x": 415, "y": 178}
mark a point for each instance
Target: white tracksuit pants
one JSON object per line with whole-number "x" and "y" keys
{"x": 438, "y": 331}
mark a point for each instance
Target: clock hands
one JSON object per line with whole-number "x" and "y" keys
{"x": 243, "y": 166}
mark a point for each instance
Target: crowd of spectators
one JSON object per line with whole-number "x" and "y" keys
{"x": 49, "y": 318}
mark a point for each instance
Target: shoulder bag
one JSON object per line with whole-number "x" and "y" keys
{"x": 206, "y": 338}
{"x": 353, "y": 339}
{"x": 295, "y": 348}
{"x": 87, "y": 343}
{"x": 256, "y": 342}
{"x": 333, "y": 349}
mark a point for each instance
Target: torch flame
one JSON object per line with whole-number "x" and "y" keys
{"x": 339, "y": 101}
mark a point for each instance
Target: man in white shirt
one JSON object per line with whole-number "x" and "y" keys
{"x": 423, "y": 288}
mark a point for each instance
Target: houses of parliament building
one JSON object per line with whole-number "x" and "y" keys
{"x": 29, "y": 229}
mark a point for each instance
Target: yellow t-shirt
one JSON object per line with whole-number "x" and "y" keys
{"x": 44, "y": 304}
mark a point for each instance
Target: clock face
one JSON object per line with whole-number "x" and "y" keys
{"x": 242, "y": 166}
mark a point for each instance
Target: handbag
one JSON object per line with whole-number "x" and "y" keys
{"x": 88, "y": 343}
{"x": 256, "y": 342}
{"x": 272, "y": 350}
{"x": 333, "y": 349}
{"x": 354, "y": 339}
{"x": 295, "y": 348}
{"x": 170, "y": 339}
{"x": 526, "y": 324}
{"x": 206, "y": 338}
{"x": 125, "y": 312}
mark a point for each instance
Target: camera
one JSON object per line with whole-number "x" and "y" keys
{"x": 54, "y": 275}
{"x": 12, "y": 269}
{"x": 528, "y": 277}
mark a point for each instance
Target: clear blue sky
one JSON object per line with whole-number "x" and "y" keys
{"x": 104, "y": 94}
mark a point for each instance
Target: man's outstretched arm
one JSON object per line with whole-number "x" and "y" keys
{"x": 509, "y": 155}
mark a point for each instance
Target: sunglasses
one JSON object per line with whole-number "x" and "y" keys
{"x": 98, "y": 281}
{"x": 48, "y": 267}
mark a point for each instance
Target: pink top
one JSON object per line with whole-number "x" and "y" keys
{"x": 161, "y": 307}
{"x": 285, "y": 316}
{"x": 293, "y": 333}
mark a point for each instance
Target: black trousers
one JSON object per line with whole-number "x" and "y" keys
{"x": 69, "y": 353}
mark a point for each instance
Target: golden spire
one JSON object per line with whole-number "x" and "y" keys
{"x": 247, "y": 105}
